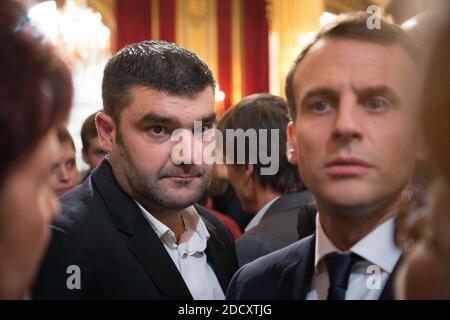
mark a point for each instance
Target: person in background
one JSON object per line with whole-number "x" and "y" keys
{"x": 35, "y": 98}
{"x": 92, "y": 151}
{"x": 276, "y": 200}
{"x": 65, "y": 174}
{"x": 207, "y": 201}
{"x": 224, "y": 199}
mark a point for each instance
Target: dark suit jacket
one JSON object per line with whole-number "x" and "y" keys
{"x": 285, "y": 274}
{"x": 284, "y": 223}
{"x": 104, "y": 233}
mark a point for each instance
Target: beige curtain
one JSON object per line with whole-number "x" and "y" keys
{"x": 289, "y": 21}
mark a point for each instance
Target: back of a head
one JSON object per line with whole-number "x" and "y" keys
{"x": 154, "y": 64}
{"x": 35, "y": 87}
{"x": 436, "y": 101}
{"x": 263, "y": 112}
{"x": 424, "y": 27}
{"x": 353, "y": 26}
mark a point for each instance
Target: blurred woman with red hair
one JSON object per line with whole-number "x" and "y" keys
{"x": 425, "y": 271}
{"x": 35, "y": 98}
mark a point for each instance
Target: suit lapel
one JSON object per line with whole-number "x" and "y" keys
{"x": 305, "y": 271}
{"x": 306, "y": 223}
{"x": 143, "y": 242}
{"x": 288, "y": 201}
{"x": 296, "y": 278}
{"x": 150, "y": 252}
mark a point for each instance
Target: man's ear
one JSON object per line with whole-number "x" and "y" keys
{"x": 249, "y": 168}
{"x": 291, "y": 144}
{"x": 249, "y": 183}
{"x": 106, "y": 130}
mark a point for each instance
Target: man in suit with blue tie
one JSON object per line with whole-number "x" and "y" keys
{"x": 352, "y": 95}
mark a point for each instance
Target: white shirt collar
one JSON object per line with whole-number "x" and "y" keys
{"x": 378, "y": 247}
{"x": 261, "y": 213}
{"x": 193, "y": 240}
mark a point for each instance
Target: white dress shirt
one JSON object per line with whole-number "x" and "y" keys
{"x": 188, "y": 255}
{"x": 261, "y": 213}
{"x": 367, "y": 277}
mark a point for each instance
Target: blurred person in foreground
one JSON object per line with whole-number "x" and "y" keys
{"x": 423, "y": 29}
{"x": 35, "y": 98}
{"x": 425, "y": 271}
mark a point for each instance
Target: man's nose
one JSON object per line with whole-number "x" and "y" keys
{"x": 63, "y": 174}
{"x": 347, "y": 124}
{"x": 192, "y": 153}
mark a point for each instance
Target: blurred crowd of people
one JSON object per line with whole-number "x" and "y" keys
{"x": 363, "y": 182}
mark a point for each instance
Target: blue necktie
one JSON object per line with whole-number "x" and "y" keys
{"x": 339, "y": 266}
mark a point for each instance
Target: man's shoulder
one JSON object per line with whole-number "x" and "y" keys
{"x": 291, "y": 201}
{"x": 76, "y": 206}
{"x": 280, "y": 227}
{"x": 282, "y": 258}
{"x": 261, "y": 278}
{"x": 269, "y": 235}
{"x": 282, "y": 224}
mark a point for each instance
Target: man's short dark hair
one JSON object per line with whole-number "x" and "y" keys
{"x": 353, "y": 26}
{"x": 88, "y": 131}
{"x": 154, "y": 64}
{"x": 64, "y": 137}
{"x": 264, "y": 111}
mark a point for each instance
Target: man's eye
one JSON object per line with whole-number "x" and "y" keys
{"x": 206, "y": 128}
{"x": 158, "y": 130}
{"x": 321, "y": 106}
{"x": 375, "y": 104}
{"x": 54, "y": 169}
{"x": 70, "y": 164}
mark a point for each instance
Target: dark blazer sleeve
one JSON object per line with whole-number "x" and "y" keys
{"x": 250, "y": 248}
{"x": 65, "y": 271}
{"x": 279, "y": 275}
{"x": 68, "y": 269}
{"x": 255, "y": 281}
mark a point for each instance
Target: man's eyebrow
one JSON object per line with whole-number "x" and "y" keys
{"x": 173, "y": 121}
{"x": 209, "y": 118}
{"x": 382, "y": 90}
{"x": 156, "y": 118}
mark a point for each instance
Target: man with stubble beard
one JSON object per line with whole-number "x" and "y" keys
{"x": 132, "y": 230}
